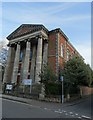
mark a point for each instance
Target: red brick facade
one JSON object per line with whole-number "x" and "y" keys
{"x": 55, "y": 50}
{"x": 52, "y": 51}
{"x": 55, "y": 41}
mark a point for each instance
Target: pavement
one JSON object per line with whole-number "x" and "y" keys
{"x": 30, "y": 101}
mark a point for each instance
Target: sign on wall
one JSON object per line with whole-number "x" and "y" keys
{"x": 61, "y": 78}
{"x": 9, "y": 87}
{"x": 27, "y": 81}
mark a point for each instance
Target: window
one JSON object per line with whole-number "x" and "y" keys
{"x": 62, "y": 50}
{"x": 68, "y": 54}
{"x": 72, "y": 55}
{"x": 21, "y": 55}
{"x": 30, "y": 55}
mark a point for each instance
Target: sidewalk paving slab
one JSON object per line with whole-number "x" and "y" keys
{"x": 41, "y": 103}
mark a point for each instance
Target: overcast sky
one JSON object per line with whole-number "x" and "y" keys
{"x": 74, "y": 19}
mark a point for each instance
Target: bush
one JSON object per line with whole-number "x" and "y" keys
{"x": 53, "y": 89}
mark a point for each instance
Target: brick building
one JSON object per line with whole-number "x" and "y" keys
{"x": 30, "y": 47}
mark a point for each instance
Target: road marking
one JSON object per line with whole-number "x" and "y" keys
{"x": 79, "y": 117}
{"x": 60, "y": 112}
{"x": 56, "y": 111}
{"x": 71, "y": 112}
{"x": 66, "y": 114}
{"x": 46, "y": 109}
{"x": 76, "y": 114}
{"x": 83, "y": 116}
{"x": 59, "y": 109}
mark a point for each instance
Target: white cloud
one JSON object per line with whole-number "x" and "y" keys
{"x": 3, "y": 43}
{"x": 29, "y": 15}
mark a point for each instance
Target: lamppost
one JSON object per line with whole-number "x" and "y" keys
{"x": 62, "y": 95}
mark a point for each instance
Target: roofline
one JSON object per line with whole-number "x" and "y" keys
{"x": 59, "y": 30}
{"x": 67, "y": 39}
{"x": 42, "y": 28}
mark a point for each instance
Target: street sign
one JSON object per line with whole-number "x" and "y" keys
{"x": 27, "y": 81}
{"x": 61, "y": 78}
{"x": 9, "y": 87}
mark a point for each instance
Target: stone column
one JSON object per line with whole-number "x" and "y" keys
{"x": 1, "y": 74}
{"x": 16, "y": 64}
{"x": 38, "y": 60}
{"x": 45, "y": 53}
{"x": 1, "y": 78}
{"x": 32, "y": 71}
{"x": 8, "y": 64}
{"x": 26, "y": 61}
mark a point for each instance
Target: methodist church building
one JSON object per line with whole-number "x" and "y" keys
{"x": 30, "y": 47}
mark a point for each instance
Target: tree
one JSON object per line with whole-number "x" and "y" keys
{"x": 47, "y": 75}
{"x": 49, "y": 80}
{"x": 90, "y": 75}
{"x": 76, "y": 73}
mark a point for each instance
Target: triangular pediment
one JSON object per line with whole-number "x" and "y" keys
{"x": 26, "y": 29}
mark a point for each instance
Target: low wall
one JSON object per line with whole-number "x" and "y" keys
{"x": 86, "y": 90}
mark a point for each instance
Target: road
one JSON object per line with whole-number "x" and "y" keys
{"x": 14, "y": 109}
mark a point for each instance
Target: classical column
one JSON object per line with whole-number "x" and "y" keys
{"x": 26, "y": 61}
{"x": 8, "y": 64}
{"x": 1, "y": 74}
{"x": 16, "y": 64}
{"x": 45, "y": 53}
{"x": 32, "y": 71}
{"x": 38, "y": 60}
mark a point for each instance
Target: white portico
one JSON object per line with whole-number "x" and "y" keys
{"x": 27, "y": 52}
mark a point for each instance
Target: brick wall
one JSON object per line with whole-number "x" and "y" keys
{"x": 55, "y": 42}
{"x": 86, "y": 90}
{"x": 52, "y": 51}
{"x": 62, "y": 41}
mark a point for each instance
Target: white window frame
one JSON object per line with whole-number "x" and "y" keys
{"x": 68, "y": 54}
{"x": 62, "y": 50}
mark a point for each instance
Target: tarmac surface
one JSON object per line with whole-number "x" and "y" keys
{"x": 77, "y": 109}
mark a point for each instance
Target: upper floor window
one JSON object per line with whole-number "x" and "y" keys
{"x": 62, "y": 50}
{"x": 68, "y": 54}
{"x": 72, "y": 55}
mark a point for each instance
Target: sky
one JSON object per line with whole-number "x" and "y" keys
{"x": 74, "y": 19}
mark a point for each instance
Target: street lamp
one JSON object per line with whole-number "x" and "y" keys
{"x": 62, "y": 95}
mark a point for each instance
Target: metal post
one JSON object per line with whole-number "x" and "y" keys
{"x": 62, "y": 93}
{"x": 62, "y": 96}
{"x": 30, "y": 89}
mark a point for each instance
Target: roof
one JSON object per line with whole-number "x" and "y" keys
{"x": 26, "y": 29}
{"x": 60, "y": 31}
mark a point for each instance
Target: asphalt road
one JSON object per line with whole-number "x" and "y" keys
{"x": 14, "y": 109}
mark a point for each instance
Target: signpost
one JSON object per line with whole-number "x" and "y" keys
{"x": 62, "y": 96}
{"x": 27, "y": 82}
{"x": 9, "y": 87}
